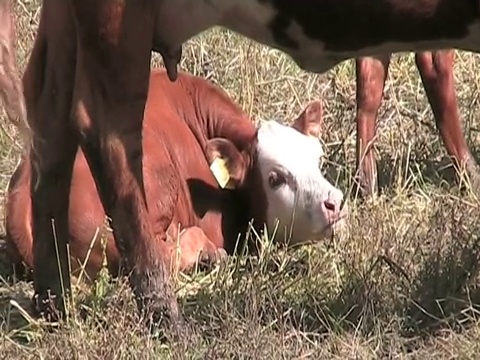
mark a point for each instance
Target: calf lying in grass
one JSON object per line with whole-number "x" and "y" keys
{"x": 192, "y": 132}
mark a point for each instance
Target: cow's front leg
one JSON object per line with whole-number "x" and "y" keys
{"x": 112, "y": 84}
{"x": 48, "y": 84}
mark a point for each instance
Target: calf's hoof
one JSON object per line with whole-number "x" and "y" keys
{"x": 207, "y": 260}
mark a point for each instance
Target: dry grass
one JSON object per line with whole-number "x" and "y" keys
{"x": 402, "y": 284}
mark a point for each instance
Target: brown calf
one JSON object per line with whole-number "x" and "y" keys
{"x": 103, "y": 80}
{"x": 436, "y": 71}
{"x": 187, "y": 125}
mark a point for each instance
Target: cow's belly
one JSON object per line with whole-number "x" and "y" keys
{"x": 321, "y": 47}
{"x": 314, "y": 56}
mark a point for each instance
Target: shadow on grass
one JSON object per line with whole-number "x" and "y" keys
{"x": 439, "y": 173}
{"x": 441, "y": 294}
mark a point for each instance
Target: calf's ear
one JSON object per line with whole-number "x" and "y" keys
{"x": 226, "y": 163}
{"x": 310, "y": 121}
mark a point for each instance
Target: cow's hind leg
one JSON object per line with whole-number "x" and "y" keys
{"x": 436, "y": 71}
{"x": 10, "y": 85}
{"x": 371, "y": 75}
{"x": 48, "y": 87}
{"x": 112, "y": 84}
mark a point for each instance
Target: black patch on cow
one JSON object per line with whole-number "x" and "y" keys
{"x": 279, "y": 26}
{"x": 351, "y": 25}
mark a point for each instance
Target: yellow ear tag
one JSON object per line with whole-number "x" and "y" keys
{"x": 220, "y": 171}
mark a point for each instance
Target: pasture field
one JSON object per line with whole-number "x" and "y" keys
{"x": 401, "y": 283}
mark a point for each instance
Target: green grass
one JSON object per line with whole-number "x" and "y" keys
{"x": 400, "y": 283}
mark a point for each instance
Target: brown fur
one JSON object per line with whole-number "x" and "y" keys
{"x": 436, "y": 71}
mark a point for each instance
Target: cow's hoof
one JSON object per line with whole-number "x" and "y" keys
{"x": 48, "y": 305}
{"x": 472, "y": 181}
{"x": 207, "y": 260}
{"x": 364, "y": 190}
{"x": 165, "y": 326}
{"x": 158, "y": 304}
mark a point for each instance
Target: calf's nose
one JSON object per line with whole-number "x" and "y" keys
{"x": 333, "y": 204}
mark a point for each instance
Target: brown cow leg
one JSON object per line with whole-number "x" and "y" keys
{"x": 111, "y": 90}
{"x": 436, "y": 71}
{"x": 47, "y": 87}
{"x": 371, "y": 75}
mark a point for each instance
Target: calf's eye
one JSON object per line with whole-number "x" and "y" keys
{"x": 275, "y": 179}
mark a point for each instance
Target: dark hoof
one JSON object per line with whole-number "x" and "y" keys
{"x": 48, "y": 305}
{"x": 157, "y": 304}
{"x": 168, "y": 329}
{"x": 163, "y": 325}
{"x": 470, "y": 179}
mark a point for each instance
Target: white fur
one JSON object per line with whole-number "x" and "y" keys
{"x": 283, "y": 146}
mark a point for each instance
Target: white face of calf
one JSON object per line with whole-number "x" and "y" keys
{"x": 301, "y": 204}
{"x": 301, "y": 201}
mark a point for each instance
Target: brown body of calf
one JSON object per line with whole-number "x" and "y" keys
{"x": 187, "y": 125}
{"x": 182, "y": 193}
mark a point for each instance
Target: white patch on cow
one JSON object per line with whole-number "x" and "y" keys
{"x": 303, "y": 200}
{"x": 251, "y": 18}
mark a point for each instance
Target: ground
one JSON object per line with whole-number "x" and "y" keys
{"x": 400, "y": 283}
